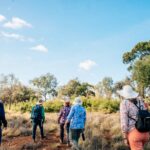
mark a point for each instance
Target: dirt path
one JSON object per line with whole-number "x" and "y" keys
{"x": 51, "y": 142}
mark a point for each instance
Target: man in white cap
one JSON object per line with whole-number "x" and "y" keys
{"x": 64, "y": 112}
{"x": 129, "y": 108}
{"x": 38, "y": 118}
{"x": 77, "y": 119}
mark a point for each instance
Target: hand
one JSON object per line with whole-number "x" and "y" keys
{"x": 65, "y": 125}
{"x": 126, "y": 142}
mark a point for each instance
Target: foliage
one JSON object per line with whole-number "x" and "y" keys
{"x": 75, "y": 88}
{"x": 46, "y": 84}
{"x": 105, "y": 87}
{"x": 141, "y": 72}
{"x": 138, "y": 58}
{"x": 139, "y": 51}
{"x": 91, "y": 104}
{"x": 7, "y": 84}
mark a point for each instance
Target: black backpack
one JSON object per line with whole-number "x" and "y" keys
{"x": 142, "y": 123}
{"x": 37, "y": 113}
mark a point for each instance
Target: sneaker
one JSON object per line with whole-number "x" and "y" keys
{"x": 61, "y": 141}
{"x": 69, "y": 145}
{"x": 44, "y": 137}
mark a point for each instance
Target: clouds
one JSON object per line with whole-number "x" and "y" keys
{"x": 15, "y": 36}
{"x": 17, "y": 23}
{"x": 87, "y": 65}
{"x": 2, "y": 18}
{"x": 40, "y": 48}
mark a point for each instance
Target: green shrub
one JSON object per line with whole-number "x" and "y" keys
{"x": 91, "y": 104}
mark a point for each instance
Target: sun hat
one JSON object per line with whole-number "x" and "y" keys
{"x": 66, "y": 99}
{"x": 77, "y": 101}
{"x": 128, "y": 92}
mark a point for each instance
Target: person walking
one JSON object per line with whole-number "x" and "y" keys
{"x": 77, "y": 119}
{"x": 2, "y": 119}
{"x": 129, "y": 110}
{"x": 64, "y": 112}
{"x": 38, "y": 119}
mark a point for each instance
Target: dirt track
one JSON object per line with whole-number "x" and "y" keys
{"x": 51, "y": 142}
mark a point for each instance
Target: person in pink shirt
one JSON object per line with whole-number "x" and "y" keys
{"x": 128, "y": 116}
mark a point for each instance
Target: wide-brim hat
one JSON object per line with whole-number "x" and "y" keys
{"x": 128, "y": 92}
{"x": 77, "y": 101}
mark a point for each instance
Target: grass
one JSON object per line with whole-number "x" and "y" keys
{"x": 102, "y": 131}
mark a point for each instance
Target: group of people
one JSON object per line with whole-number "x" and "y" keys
{"x": 72, "y": 119}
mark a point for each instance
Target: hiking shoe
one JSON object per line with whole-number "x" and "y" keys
{"x": 61, "y": 141}
{"x": 69, "y": 145}
{"x": 44, "y": 137}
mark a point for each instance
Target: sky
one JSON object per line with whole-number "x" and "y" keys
{"x": 70, "y": 38}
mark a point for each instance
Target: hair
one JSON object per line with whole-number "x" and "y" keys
{"x": 67, "y": 104}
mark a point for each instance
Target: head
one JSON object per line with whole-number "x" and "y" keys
{"x": 77, "y": 101}
{"x": 128, "y": 93}
{"x": 40, "y": 102}
{"x": 67, "y": 101}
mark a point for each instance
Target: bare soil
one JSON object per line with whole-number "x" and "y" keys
{"x": 50, "y": 142}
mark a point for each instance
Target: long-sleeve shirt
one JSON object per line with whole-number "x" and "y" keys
{"x": 64, "y": 112}
{"x": 2, "y": 115}
{"x": 42, "y": 113}
{"x": 77, "y": 117}
{"x": 129, "y": 110}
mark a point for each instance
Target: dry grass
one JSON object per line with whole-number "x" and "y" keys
{"x": 102, "y": 130}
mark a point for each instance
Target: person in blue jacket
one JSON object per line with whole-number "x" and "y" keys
{"x": 77, "y": 119}
{"x": 2, "y": 119}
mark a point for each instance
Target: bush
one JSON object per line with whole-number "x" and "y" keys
{"x": 91, "y": 104}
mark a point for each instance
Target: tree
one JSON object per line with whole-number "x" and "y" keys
{"x": 141, "y": 73}
{"x": 7, "y": 83}
{"x": 46, "y": 84}
{"x": 105, "y": 87}
{"x": 137, "y": 59}
{"x": 139, "y": 51}
{"x": 75, "y": 88}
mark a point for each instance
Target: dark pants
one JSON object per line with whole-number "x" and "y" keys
{"x": 0, "y": 135}
{"x": 62, "y": 132}
{"x": 75, "y": 135}
{"x": 35, "y": 124}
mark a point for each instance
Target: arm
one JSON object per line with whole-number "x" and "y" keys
{"x": 84, "y": 118}
{"x": 71, "y": 114}
{"x": 43, "y": 114}
{"x": 60, "y": 115}
{"x": 124, "y": 118}
{"x": 32, "y": 113}
{"x": 4, "y": 121}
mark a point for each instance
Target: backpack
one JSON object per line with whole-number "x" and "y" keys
{"x": 37, "y": 113}
{"x": 142, "y": 123}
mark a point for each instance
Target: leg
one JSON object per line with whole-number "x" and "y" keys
{"x": 41, "y": 129}
{"x": 62, "y": 133}
{"x": 0, "y": 136}
{"x": 75, "y": 138}
{"x": 67, "y": 129}
{"x": 34, "y": 130}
